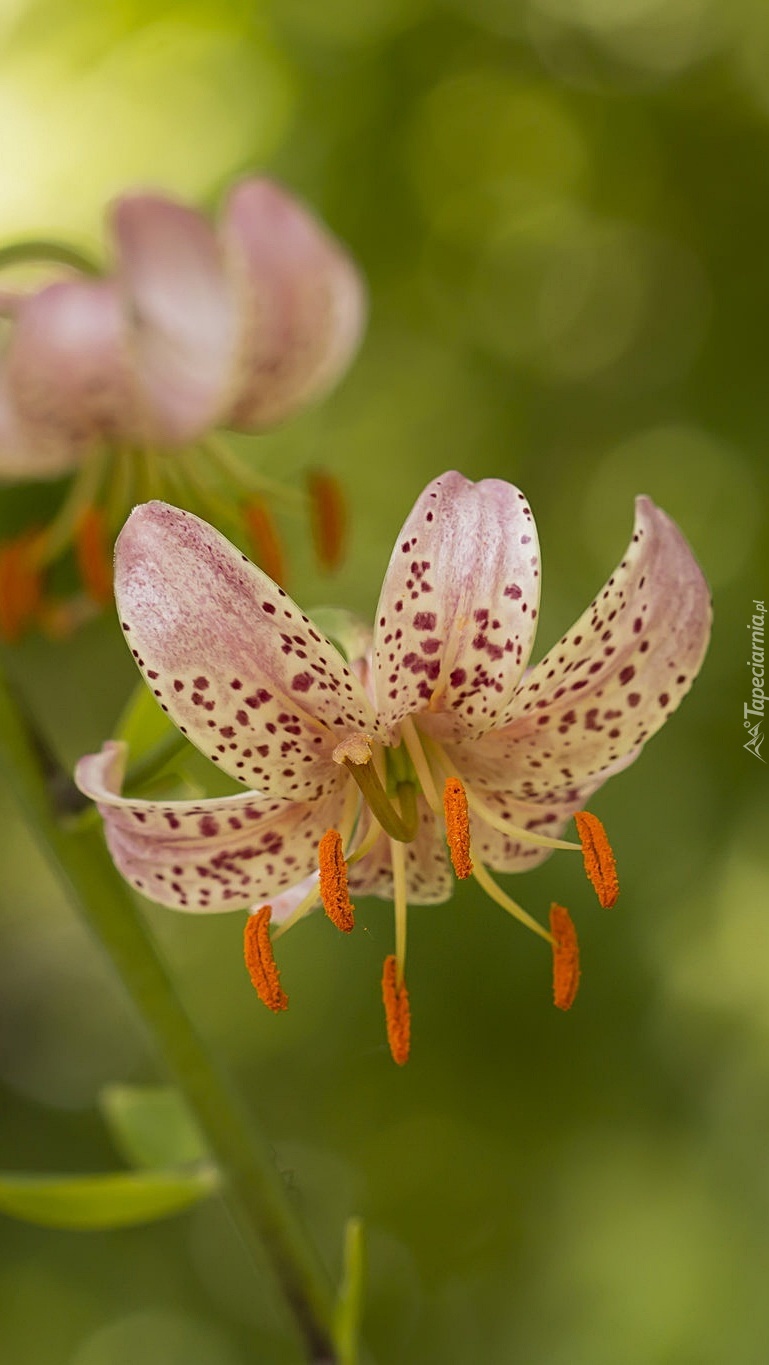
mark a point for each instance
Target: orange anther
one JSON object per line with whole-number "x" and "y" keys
{"x": 265, "y": 541}
{"x": 565, "y": 957}
{"x": 93, "y": 555}
{"x": 328, "y": 517}
{"x": 599, "y": 859}
{"x": 457, "y": 827}
{"x": 20, "y": 586}
{"x": 260, "y": 961}
{"x": 333, "y": 881}
{"x": 397, "y": 1011}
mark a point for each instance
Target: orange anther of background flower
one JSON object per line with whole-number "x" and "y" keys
{"x": 94, "y": 560}
{"x": 328, "y": 517}
{"x": 265, "y": 540}
{"x": 20, "y": 586}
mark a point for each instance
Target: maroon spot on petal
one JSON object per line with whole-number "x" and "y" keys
{"x": 626, "y": 674}
{"x": 663, "y": 698}
{"x": 302, "y": 682}
{"x": 258, "y": 698}
{"x": 209, "y": 827}
{"x": 458, "y": 677}
{"x": 424, "y": 620}
{"x": 201, "y": 683}
{"x": 634, "y": 698}
{"x": 236, "y": 684}
{"x": 512, "y": 590}
{"x": 269, "y": 607}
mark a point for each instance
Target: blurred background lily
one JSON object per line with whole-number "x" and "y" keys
{"x": 562, "y": 212}
{"x": 194, "y": 328}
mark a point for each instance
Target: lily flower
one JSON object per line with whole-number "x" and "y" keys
{"x": 438, "y": 747}
{"x": 123, "y": 377}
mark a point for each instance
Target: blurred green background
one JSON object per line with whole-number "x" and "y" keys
{"x": 562, "y": 208}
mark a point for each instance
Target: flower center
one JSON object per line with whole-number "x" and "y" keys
{"x": 390, "y": 779}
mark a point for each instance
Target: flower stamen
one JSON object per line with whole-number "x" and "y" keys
{"x": 485, "y": 879}
{"x": 599, "y": 860}
{"x": 333, "y": 882}
{"x": 264, "y": 538}
{"x": 566, "y": 971}
{"x": 260, "y": 961}
{"x": 20, "y": 586}
{"x": 328, "y": 518}
{"x": 457, "y": 827}
{"x": 92, "y": 554}
{"x": 397, "y": 1011}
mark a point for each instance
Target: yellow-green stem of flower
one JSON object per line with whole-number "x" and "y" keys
{"x": 118, "y": 495}
{"x": 421, "y": 766}
{"x": 60, "y": 532}
{"x": 401, "y": 907}
{"x": 401, "y": 827}
{"x": 245, "y": 477}
{"x": 41, "y": 251}
{"x": 484, "y": 879}
{"x": 303, "y": 908}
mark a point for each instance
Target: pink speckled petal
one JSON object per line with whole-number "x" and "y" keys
{"x": 203, "y": 856}
{"x": 237, "y": 666}
{"x": 587, "y": 709}
{"x": 457, "y": 615}
{"x": 429, "y": 880}
{"x": 284, "y": 904}
{"x": 303, "y": 305}
{"x": 183, "y": 313}
{"x": 28, "y": 451}
{"x": 67, "y": 367}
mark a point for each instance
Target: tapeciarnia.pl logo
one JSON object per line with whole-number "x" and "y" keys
{"x": 755, "y": 708}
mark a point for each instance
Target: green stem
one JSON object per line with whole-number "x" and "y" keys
{"x": 254, "y": 1191}
{"x": 40, "y": 251}
{"x": 402, "y": 827}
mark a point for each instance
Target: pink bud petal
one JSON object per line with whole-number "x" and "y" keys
{"x": 182, "y": 312}
{"x": 303, "y": 304}
{"x": 67, "y": 369}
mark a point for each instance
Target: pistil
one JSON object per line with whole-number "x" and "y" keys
{"x": 403, "y": 826}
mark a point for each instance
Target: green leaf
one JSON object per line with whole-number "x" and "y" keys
{"x": 118, "y": 1200}
{"x": 151, "y": 1126}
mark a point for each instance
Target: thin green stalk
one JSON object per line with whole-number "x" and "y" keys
{"x": 42, "y": 251}
{"x": 254, "y": 1191}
